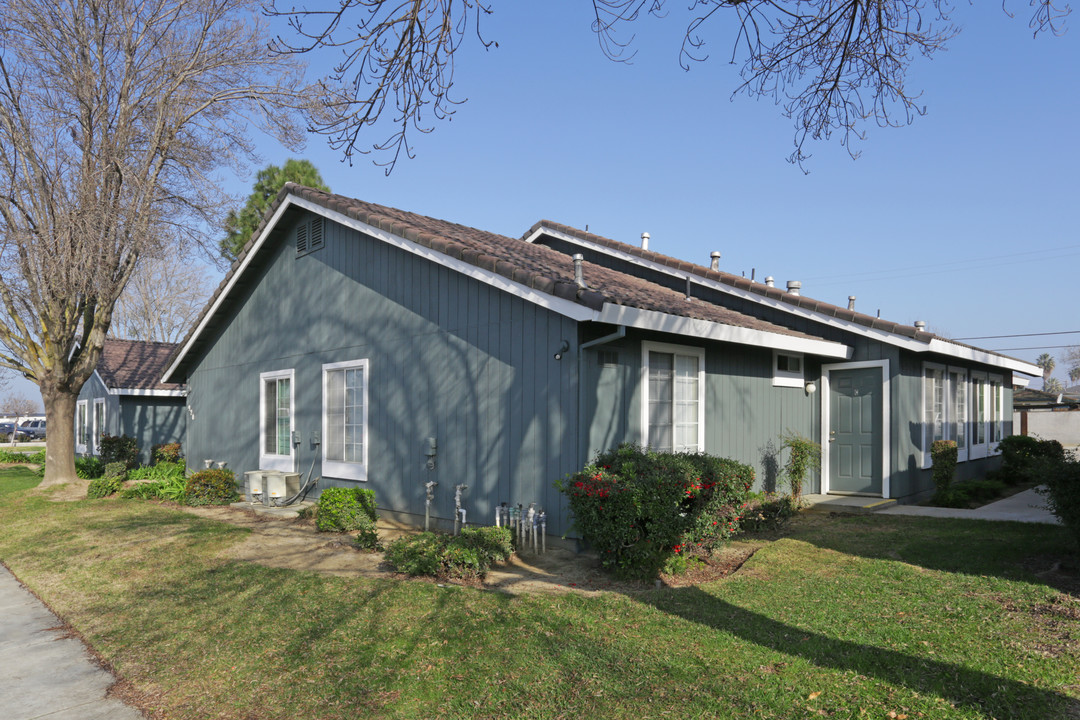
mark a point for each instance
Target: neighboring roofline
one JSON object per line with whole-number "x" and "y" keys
{"x": 587, "y": 307}
{"x": 143, "y": 392}
{"x": 786, "y": 302}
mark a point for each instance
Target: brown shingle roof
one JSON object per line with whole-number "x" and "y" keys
{"x": 535, "y": 266}
{"x": 757, "y": 288}
{"x": 135, "y": 365}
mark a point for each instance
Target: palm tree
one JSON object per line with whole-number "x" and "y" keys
{"x": 1047, "y": 363}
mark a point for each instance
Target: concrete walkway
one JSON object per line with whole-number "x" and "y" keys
{"x": 1027, "y": 506}
{"x": 48, "y": 674}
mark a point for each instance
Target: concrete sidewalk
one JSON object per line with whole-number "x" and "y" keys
{"x": 48, "y": 674}
{"x": 1027, "y": 506}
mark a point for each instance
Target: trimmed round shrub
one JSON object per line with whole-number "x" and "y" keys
{"x": 348, "y": 510}
{"x": 103, "y": 487}
{"x": 638, "y": 508}
{"x": 1062, "y": 491}
{"x": 119, "y": 448}
{"x": 416, "y": 555}
{"x": 216, "y": 486}
{"x": 1022, "y": 456}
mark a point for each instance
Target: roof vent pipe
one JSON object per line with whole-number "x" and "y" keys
{"x": 850, "y": 302}
{"x": 770, "y": 282}
{"x": 579, "y": 275}
{"x": 920, "y": 325}
{"x": 714, "y": 257}
{"x": 644, "y": 241}
{"x": 794, "y": 287}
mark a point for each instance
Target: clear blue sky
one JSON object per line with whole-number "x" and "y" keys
{"x": 967, "y": 219}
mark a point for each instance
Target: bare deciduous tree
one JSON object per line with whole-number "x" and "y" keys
{"x": 161, "y": 301}
{"x": 113, "y": 114}
{"x": 833, "y": 66}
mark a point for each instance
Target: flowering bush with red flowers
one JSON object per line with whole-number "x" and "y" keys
{"x": 640, "y": 509}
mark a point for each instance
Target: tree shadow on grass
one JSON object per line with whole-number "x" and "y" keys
{"x": 983, "y": 692}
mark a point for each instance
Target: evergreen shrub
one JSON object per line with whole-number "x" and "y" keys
{"x": 638, "y": 508}
{"x": 349, "y": 509}
{"x": 119, "y": 448}
{"x": 215, "y": 486}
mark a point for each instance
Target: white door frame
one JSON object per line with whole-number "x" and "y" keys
{"x": 886, "y": 414}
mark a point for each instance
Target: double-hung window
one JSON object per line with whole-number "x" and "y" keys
{"x": 674, "y": 403}
{"x": 276, "y": 420}
{"x": 82, "y": 431}
{"x": 99, "y": 422}
{"x": 945, "y": 401}
{"x": 345, "y": 420}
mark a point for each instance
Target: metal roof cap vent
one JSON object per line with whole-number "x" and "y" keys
{"x": 714, "y": 263}
{"x": 851, "y": 302}
{"x": 770, "y": 282}
{"x": 579, "y": 273}
{"x": 794, "y": 287}
{"x": 645, "y": 241}
{"x": 920, "y": 325}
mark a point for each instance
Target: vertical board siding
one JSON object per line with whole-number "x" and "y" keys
{"x": 151, "y": 421}
{"x": 450, "y": 358}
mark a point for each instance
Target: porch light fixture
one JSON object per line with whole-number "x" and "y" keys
{"x": 563, "y": 349}
{"x": 811, "y": 387}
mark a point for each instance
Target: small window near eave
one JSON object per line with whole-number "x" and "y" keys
{"x": 787, "y": 370}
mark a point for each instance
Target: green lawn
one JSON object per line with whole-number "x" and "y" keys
{"x": 850, "y": 617}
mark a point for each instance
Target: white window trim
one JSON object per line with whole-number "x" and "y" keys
{"x": 978, "y": 450}
{"x": 646, "y": 348}
{"x": 962, "y": 451}
{"x": 285, "y": 463}
{"x": 97, "y": 431}
{"x": 338, "y": 468}
{"x": 886, "y": 421}
{"x": 84, "y": 404}
{"x": 787, "y": 378}
{"x": 993, "y": 448}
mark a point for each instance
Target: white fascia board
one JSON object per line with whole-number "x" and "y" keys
{"x": 563, "y": 307}
{"x": 706, "y": 329}
{"x": 853, "y": 327}
{"x": 259, "y": 241}
{"x": 1020, "y": 381}
{"x": 138, "y": 392}
{"x": 984, "y": 357}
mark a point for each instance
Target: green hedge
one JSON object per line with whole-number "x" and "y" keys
{"x": 943, "y": 458}
{"x": 211, "y": 487}
{"x": 119, "y": 448}
{"x": 469, "y": 555}
{"x": 349, "y": 509}
{"x": 644, "y": 511}
{"x": 103, "y": 487}
{"x": 1022, "y": 455}
{"x": 1062, "y": 490}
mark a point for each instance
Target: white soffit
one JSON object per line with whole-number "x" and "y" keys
{"x": 707, "y": 330}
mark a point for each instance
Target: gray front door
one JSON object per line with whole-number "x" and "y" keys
{"x": 855, "y": 442}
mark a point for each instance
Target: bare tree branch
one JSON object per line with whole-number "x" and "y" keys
{"x": 114, "y": 114}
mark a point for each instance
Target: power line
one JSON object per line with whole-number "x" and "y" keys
{"x": 996, "y": 337}
{"x": 1035, "y": 347}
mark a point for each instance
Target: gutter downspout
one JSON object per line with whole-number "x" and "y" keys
{"x": 583, "y": 441}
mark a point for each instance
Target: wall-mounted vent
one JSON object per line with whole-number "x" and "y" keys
{"x": 607, "y": 358}
{"x": 309, "y": 236}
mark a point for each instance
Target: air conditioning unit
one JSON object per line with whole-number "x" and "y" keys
{"x": 256, "y": 485}
{"x": 281, "y": 485}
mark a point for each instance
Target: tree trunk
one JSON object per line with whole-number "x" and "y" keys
{"x": 60, "y": 446}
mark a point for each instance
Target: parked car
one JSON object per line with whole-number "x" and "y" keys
{"x": 7, "y": 428}
{"x": 34, "y": 428}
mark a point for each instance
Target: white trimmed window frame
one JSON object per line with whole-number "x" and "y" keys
{"x": 957, "y": 407}
{"x": 98, "y": 426}
{"x": 979, "y": 425}
{"x": 676, "y": 350}
{"x": 82, "y": 430}
{"x": 340, "y": 468}
{"x": 274, "y": 461}
{"x": 787, "y": 377}
{"x": 995, "y": 431}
